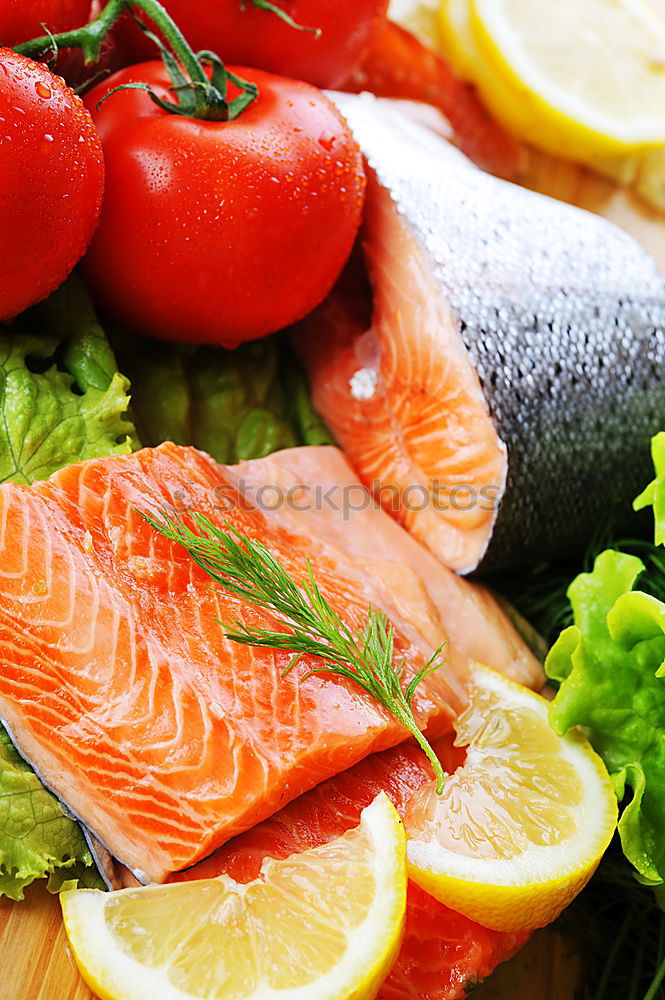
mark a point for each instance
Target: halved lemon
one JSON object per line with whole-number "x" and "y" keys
{"x": 322, "y": 925}
{"x": 522, "y": 824}
{"x": 578, "y": 79}
{"x": 582, "y": 80}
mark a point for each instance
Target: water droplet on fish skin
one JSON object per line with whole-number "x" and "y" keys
{"x": 43, "y": 90}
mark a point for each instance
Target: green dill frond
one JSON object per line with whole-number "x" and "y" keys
{"x": 309, "y": 625}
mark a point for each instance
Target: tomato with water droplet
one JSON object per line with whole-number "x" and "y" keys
{"x": 51, "y": 181}
{"x": 221, "y": 232}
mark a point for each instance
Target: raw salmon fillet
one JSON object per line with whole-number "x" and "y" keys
{"x": 444, "y": 953}
{"x": 116, "y": 681}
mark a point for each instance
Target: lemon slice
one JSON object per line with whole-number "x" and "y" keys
{"x": 456, "y": 39}
{"x": 421, "y": 17}
{"x": 581, "y": 79}
{"x": 322, "y": 925}
{"x": 522, "y": 824}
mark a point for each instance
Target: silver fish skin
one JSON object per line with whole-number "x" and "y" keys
{"x": 563, "y": 318}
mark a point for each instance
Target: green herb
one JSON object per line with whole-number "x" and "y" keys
{"x": 62, "y": 399}
{"x": 654, "y": 495}
{"x": 609, "y": 667}
{"x": 37, "y": 837}
{"x": 235, "y": 405}
{"x": 246, "y": 568}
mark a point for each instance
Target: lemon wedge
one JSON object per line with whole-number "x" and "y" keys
{"x": 421, "y": 17}
{"x": 322, "y": 925}
{"x": 584, "y": 80}
{"x": 522, "y": 824}
{"x": 456, "y": 40}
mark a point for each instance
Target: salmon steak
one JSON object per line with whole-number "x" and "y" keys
{"x": 118, "y": 685}
{"x": 444, "y": 953}
{"x": 503, "y": 372}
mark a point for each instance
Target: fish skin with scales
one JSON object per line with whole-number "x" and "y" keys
{"x": 563, "y": 318}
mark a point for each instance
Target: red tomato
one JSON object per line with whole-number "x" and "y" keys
{"x": 255, "y": 37}
{"x": 21, "y": 20}
{"x": 51, "y": 181}
{"x": 221, "y": 232}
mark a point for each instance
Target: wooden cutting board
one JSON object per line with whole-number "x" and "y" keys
{"x": 34, "y": 962}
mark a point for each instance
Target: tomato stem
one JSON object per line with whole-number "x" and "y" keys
{"x": 199, "y": 95}
{"x": 282, "y": 15}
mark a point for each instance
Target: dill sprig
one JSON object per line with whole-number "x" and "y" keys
{"x": 246, "y": 568}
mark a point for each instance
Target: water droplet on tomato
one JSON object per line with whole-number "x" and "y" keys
{"x": 48, "y": 138}
{"x": 43, "y": 90}
{"x": 327, "y": 140}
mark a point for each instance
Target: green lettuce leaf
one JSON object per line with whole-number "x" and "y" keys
{"x": 654, "y": 494}
{"x": 235, "y": 405}
{"x": 37, "y": 838}
{"x": 610, "y": 666}
{"x": 62, "y": 399}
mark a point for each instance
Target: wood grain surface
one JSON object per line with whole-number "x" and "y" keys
{"x": 34, "y": 961}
